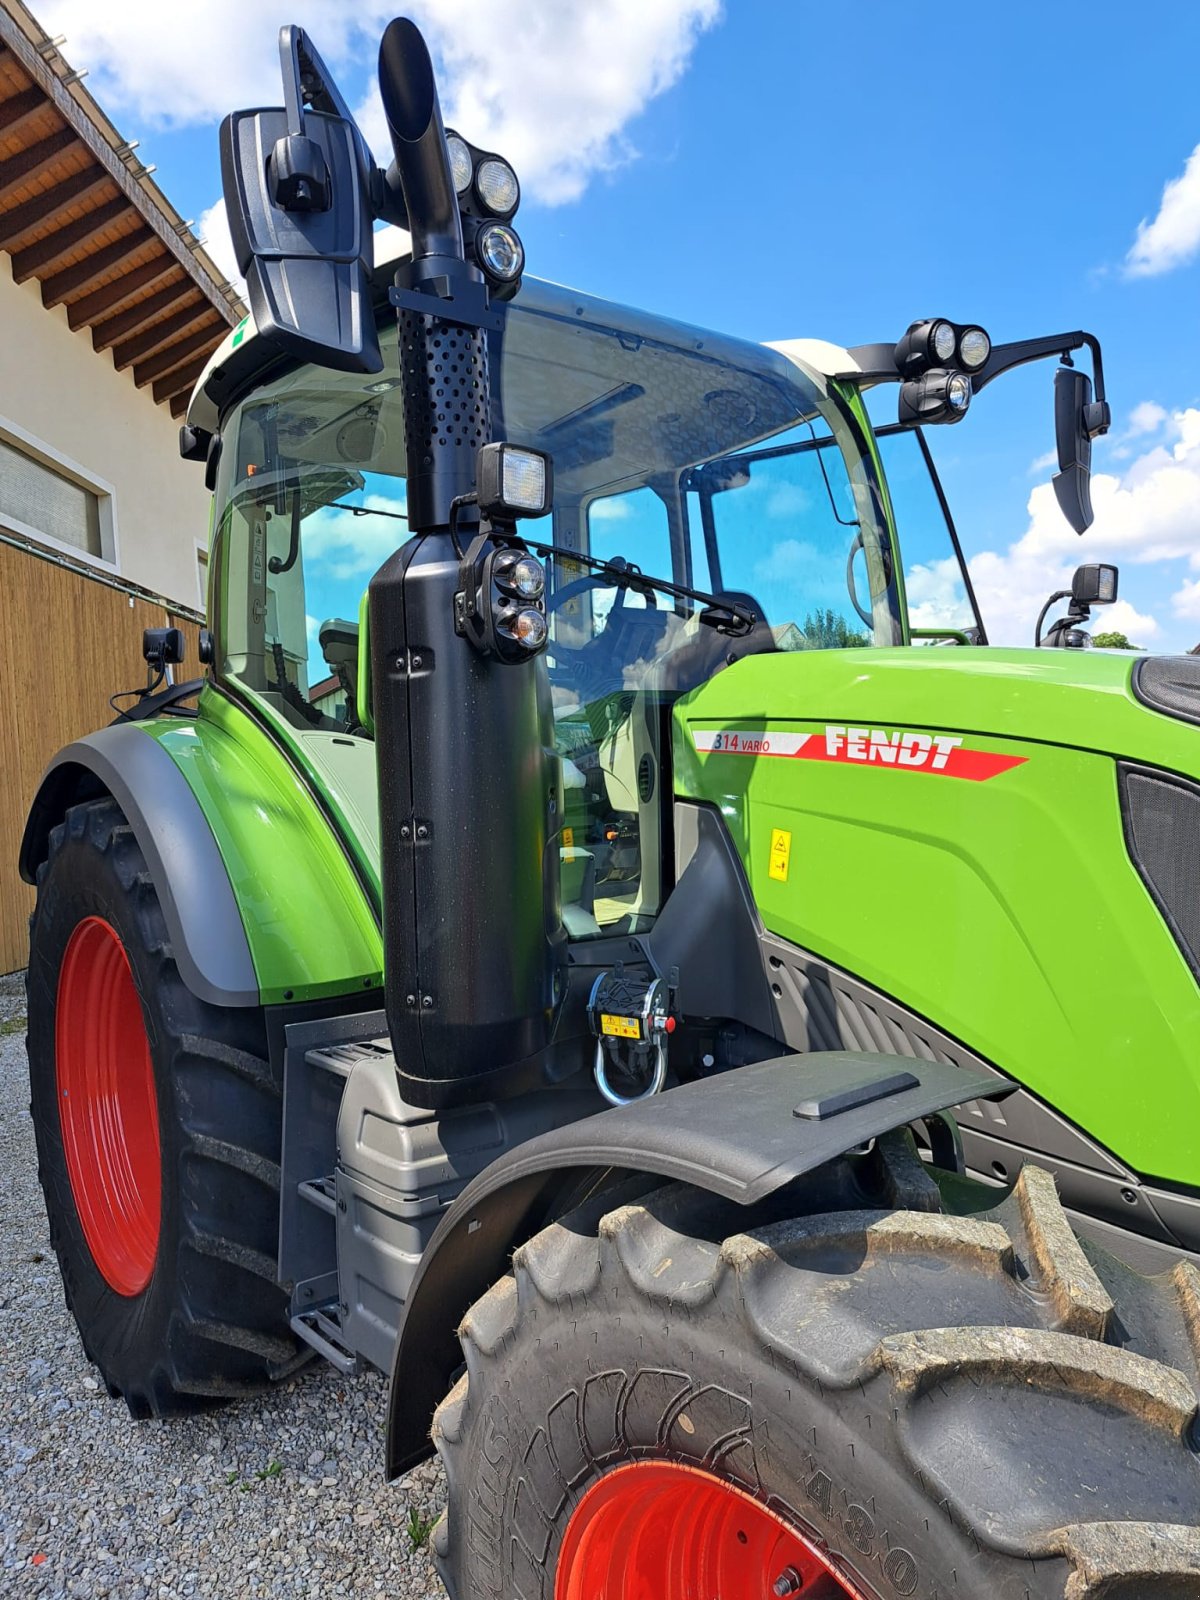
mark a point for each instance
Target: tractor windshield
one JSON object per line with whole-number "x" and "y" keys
{"x": 710, "y": 462}
{"x": 706, "y": 461}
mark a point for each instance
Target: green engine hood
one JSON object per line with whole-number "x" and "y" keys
{"x": 946, "y": 824}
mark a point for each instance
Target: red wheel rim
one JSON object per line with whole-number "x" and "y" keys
{"x": 655, "y": 1530}
{"x": 108, "y": 1107}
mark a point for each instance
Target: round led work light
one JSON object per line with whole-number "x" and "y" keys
{"x": 497, "y": 187}
{"x": 501, "y": 252}
{"x": 462, "y": 167}
{"x": 974, "y": 347}
{"x": 526, "y": 627}
{"x": 519, "y": 575}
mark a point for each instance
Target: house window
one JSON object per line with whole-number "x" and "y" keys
{"x": 41, "y": 499}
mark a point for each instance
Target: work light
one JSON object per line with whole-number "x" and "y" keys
{"x": 500, "y": 252}
{"x": 462, "y": 167}
{"x": 974, "y": 347}
{"x": 936, "y": 396}
{"x": 513, "y": 482}
{"x": 526, "y": 627}
{"x": 497, "y": 187}
{"x": 519, "y": 575}
{"x": 926, "y": 344}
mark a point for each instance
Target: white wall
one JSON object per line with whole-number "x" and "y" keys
{"x": 57, "y": 390}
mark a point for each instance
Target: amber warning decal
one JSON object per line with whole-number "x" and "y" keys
{"x": 945, "y": 753}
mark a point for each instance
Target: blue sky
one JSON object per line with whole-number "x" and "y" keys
{"x": 785, "y": 170}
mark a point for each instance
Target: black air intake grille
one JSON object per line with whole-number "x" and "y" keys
{"x": 1170, "y": 684}
{"x": 1162, "y": 830}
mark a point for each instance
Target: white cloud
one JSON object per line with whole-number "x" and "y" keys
{"x": 1121, "y": 617}
{"x": 936, "y": 596}
{"x": 553, "y": 86}
{"x": 1146, "y": 417}
{"x": 339, "y": 545}
{"x": 213, "y": 228}
{"x": 1043, "y": 463}
{"x": 1172, "y": 238}
{"x": 1148, "y": 512}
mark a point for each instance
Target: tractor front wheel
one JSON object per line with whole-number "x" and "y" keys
{"x": 158, "y": 1124}
{"x": 673, "y": 1398}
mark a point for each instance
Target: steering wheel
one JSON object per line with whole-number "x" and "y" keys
{"x": 574, "y": 666}
{"x": 855, "y": 547}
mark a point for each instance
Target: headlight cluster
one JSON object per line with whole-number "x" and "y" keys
{"x": 936, "y": 360}
{"x": 488, "y": 197}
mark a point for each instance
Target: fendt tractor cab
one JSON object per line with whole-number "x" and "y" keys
{"x": 597, "y": 902}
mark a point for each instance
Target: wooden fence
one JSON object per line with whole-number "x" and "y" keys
{"x": 68, "y": 641}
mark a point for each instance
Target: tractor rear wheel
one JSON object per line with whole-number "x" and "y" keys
{"x": 677, "y": 1399}
{"x": 158, "y": 1124}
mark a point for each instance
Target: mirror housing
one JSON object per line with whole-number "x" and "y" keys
{"x": 297, "y": 184}
{"x": 1077, "y": 421}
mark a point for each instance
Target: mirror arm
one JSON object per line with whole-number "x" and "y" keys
{"x": 306, "y": 77}
{"x": 1006, "y": 356}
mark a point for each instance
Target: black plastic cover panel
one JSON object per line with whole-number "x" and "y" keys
{"x": 1170, "y": 684}
{"x": 1162, "y": 830}
{"x": 735, "y": 1134}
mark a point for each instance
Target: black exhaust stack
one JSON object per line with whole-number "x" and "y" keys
{"x": 467, "y": 779}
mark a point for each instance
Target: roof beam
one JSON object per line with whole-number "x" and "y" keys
{"x": 46, "y": 252}
{"x": 167, "y": 360}
{"x": 149, "y": 339}
{"x": 179, "y": 403}
{"x": 113, "y": 329}
{"x": 74, "y": 115}
{"x": 94, "y": 305}
{"x": 33, "y": 162}
{"x": 32, "y": 213}
{"x": 18, "y": 109}
{"x": 181, "y": 381}
{"x": 56, "y": 289}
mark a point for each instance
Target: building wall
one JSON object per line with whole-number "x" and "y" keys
{"x": 56, "y": 390}
{"x": 69, "y": 642}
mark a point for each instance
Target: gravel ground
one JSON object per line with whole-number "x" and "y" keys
{"x": 282, "y": 1496}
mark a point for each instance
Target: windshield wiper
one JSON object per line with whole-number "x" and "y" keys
{"x": 726, "y": 616}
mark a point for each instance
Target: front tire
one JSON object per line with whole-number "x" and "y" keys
{"x": 868, "y": 1402}
{"x": 158, "y": 1122}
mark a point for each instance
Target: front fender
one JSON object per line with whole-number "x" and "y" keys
{"x": 741, "y": 1135}
{"x": 203, "y": 921}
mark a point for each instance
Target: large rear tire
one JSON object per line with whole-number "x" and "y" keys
{"x": 868, "y": 1402}
{"x": 158, "y": 1124}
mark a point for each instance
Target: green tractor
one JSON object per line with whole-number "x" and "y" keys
{"x": 721, "y": 1036}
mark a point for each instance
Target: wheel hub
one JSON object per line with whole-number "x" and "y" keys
{"x": 659, "y": 1530}
{"x": 108, "y": 1108}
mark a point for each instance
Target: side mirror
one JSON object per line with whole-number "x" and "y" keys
{"x": 1077, "y": 421}
{"x": 297, "y": 195}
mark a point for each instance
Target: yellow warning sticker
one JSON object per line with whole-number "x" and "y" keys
{"x": 620, "y": 1027}
{"x": 781, "y": 854}
{"x": 568, "y": 837}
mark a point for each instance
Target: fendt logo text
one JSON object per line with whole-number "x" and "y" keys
{"x": 905, "y": 750}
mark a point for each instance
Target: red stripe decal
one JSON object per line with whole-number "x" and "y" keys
{"x": 943, "y": 754}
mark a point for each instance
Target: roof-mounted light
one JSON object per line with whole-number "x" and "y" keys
{"x": 462, "y": 164}
{"x": 497, "y": 187}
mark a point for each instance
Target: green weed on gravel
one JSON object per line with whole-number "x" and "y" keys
{"x": 419, "y": 1527}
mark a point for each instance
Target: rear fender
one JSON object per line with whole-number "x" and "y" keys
{"x": 741, "y": 1135}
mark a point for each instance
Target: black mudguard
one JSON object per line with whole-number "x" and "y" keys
{"x": 741, "y": 1135}
{"x": 205, "y": 926}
